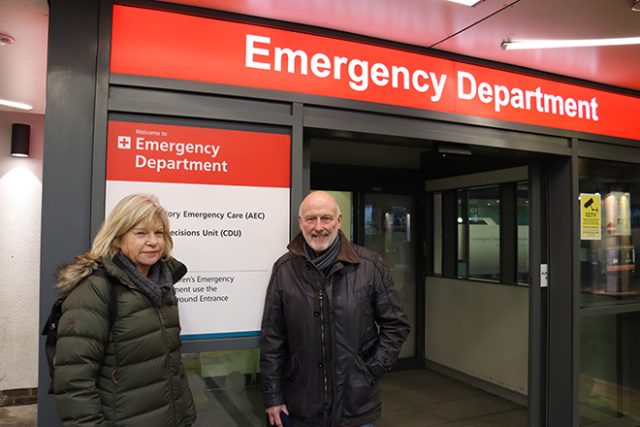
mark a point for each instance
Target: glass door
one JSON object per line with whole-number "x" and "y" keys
{"x": 389, "y": 230}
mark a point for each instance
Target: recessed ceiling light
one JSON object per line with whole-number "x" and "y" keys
{"x": 467, "y": 2}
{"x": 551, "y": 44}
{"x": 14, "y": 104}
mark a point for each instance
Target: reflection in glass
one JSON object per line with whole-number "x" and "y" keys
{"x": 345, "y": 202}
{"x": 523, "y": 232}
{"x": 437, "y": 233}
{"x": 462, "y": 253}
{"x": 608, "y": 270}
{"x": 609, "y": 370}
{"x": 484, "y": 232}
{"x": 226, "y": 387}
{"x": 389, "y": 231}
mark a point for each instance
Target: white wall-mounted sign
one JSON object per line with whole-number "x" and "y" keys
{"x": 227, "y": 194}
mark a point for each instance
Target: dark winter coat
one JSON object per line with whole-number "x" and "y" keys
{"x": 130, "y": 374}
{"x": 327, "y": 339}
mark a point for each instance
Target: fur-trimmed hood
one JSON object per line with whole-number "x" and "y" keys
{"x": 69, "y": 276}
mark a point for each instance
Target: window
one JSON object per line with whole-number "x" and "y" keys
{"x": 226, "y": 386}
{"x": 609, "y": 372}
{"x": 462, "y": 254}
{"x": 487, "y": 218}
{"x": 478, "y": 253}
{"x": 483, "y": 213}
{"x": 437, "y": 233}
{"x": 609, "y": 274}
{"x": 522, "y": 191}
{"x": 609, "y": 212}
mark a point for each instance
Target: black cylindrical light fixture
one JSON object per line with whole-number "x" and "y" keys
{"x": 20, "y": 134}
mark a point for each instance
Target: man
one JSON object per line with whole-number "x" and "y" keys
{"x": 332, "y": 325}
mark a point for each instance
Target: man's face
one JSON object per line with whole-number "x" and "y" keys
{"x": 319, "y": 221}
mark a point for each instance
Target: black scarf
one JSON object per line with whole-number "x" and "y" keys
{"x": 325, "y": 259}
{"x": 153, "y": 286}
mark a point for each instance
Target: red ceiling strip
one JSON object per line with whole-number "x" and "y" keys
{"x": 185, "y": 47}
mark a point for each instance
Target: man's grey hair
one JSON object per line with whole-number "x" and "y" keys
{"x": 334, "y": 199}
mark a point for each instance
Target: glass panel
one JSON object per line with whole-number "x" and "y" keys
{"x": 389, "y": 231}
{"x": 523, "y": 232}
{"x": 484, "y": 233}
{"x": 608, "y": 270}
{"x": 437, "y": 233}
{"x": 609, "y": 370}
{"x": 226, "y": 387}
{"x": 462, "y": 252}
{"x": 345, "y": 202}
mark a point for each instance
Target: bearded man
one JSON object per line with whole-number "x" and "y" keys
{"x": 333, "y": 324}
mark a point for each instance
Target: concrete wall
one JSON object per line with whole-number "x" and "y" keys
{"x": 479, "y": 329}
{"x": 20, "y": 220}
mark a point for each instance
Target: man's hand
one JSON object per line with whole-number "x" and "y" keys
{"x": 274, "y": 414}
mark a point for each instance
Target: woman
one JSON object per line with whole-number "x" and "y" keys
{"x": 127, "y": 371}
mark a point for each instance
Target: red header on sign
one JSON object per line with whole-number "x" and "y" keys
{"x": 181, "y": 154}
{"x": 224, "y": 52}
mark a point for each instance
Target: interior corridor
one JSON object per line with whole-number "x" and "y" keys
{"x": 423, "y": 398}
{"x": 410, "y": 398}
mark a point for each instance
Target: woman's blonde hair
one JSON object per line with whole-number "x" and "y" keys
{"x": 132, "y": 210}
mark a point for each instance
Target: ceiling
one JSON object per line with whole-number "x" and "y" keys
{"x": 23, "y": 64}
{"x": 436, "y": 24}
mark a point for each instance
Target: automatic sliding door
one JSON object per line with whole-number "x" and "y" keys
{"x": 390, "y": 231}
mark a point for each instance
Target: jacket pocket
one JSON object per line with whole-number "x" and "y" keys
{"x": 292, "y": 369}
{"x": 361, "y": 392}
{"x": 295, "y": 395}
{"x": 363, "y": 294}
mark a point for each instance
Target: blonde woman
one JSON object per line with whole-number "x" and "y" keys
{"x": 123, "y": 369}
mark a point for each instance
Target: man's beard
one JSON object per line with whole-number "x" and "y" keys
{"x": 320, "y": 246}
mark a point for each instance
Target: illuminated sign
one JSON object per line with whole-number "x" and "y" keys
{"x": 228, "y": 206}
{"x": 144, "y": 42}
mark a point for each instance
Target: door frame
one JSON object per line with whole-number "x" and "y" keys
{"x": 556, "y": 194}
{"x": 362, "y": 180}
{"x": 551, "y": 355}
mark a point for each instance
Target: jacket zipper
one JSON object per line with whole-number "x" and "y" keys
{"x": 161, "y": 314}
{"x": 322, "y": 339}
{"x": 164, "y": 333}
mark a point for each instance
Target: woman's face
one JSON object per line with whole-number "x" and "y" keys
{"x": 144, "y": 245}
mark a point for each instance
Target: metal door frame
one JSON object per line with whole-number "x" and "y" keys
{"x": 361, "y": 181}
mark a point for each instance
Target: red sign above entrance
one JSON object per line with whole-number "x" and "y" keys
{"x": 224, "y": 52}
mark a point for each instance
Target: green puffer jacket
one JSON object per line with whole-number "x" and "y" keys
{"x": 129, "y": 375}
